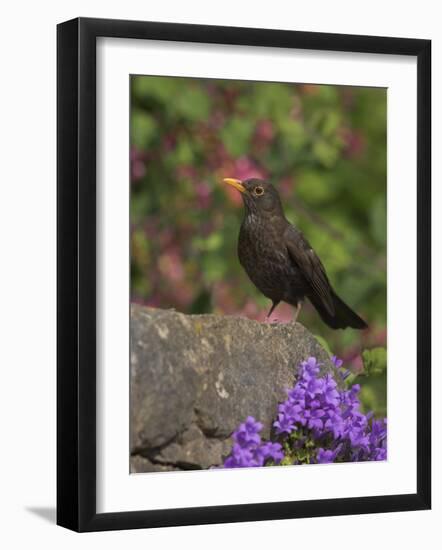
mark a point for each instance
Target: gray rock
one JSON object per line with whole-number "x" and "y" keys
{"x": 139, "y": 464}
{"x": 194, "y": 378}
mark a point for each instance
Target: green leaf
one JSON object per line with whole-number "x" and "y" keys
{"x": 270, "y": 100}
{"x": 325, "y": 152}
{"x": 314, "y": 187}
{"x": 192, "y": 103}
{"x": 183, "y": 153}
{"x": 161, "y": 88}
{"x": 378, "y": 216}
{"x": 236, "y": 136}
{"x": 323, "y": 343}
{"x": 293, "y": 133}
{"x": 375, "y": 361}
{"x": 143, "y": 128}
{"x": 330, "y": 123}
{"x": 202, "y": 303}
{"x": 210, "y": 244}
{"x": 213, "y": 267}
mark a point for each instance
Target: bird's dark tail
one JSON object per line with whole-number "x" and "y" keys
{"x": 344, "y": 316}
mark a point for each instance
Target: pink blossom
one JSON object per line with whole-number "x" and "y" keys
{"x": 203, "y": 195}
{"x": 186, "y": 171}
{"x": 354, "y": 142}
{"x": 286, "y": 186}
{"x": 169, "y": 142}
{"x": 216, "y": 120}
{"x": 170, "y": 265}
{"x": 137, "y": 164}
{"x": 264, "y": 131}
{"x": 246, "y": 168}
{"x": 138, "y": 170}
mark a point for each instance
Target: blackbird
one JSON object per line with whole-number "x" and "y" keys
{"x": 280, "y": 261}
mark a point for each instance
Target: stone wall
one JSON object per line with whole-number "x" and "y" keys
{"x": 194, "y": 378}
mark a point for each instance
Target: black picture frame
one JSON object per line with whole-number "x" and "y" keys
{"x": 77, "y": 287}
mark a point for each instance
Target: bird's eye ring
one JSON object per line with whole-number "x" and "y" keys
{"x": 258, "y": 191}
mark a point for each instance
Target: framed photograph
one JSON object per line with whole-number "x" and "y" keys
{"x": 243, "y": 240}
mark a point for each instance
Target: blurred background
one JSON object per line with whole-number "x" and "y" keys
{"x": 324, "y": 148}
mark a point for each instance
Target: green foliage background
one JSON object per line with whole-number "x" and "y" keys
{"x": 324, "y": 147}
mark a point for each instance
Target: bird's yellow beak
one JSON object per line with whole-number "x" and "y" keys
{"x": 237, "y": 184}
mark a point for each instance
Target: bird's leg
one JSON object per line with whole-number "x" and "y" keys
{"x": 298, "y": 309}
{"x": 267, "y": 319}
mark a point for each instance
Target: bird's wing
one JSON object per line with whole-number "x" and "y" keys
{"x": 310, "y": 265}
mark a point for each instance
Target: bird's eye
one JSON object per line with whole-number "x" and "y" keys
{"x": 258, "y": 191}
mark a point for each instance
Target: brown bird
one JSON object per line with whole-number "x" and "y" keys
{"x": 280, "y": 261}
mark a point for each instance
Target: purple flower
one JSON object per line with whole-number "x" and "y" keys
{"x": 335, "y": 424}
{"x": 309, "y": 368}
{"x": 325, "y": 456}
{"x": 248, "y": 450}
{"x": 345, "y": 374}
{"x": 378, "y": 432}
{"x": 336, "y": 361}
{"x": 242, "y": 454}
{"x": 272, "y": 451}
{"x": 338, "y": 364}
{"x": 314, "y": 386}
{"x": 284, "y": 424}
{"x": 315, "y": 421}
{"x": 331, "y": 394}
{"x": 319, "y": 420}
{"x": 296, "y": 393}
{"x": 248, "y": 432}
{"x": 377, "y": 440}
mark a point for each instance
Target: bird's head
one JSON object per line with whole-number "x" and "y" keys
{"x": 259, "y": 196}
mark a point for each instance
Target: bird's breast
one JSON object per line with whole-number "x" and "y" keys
{"x": 265, "y": 258}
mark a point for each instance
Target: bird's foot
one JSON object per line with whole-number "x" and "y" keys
{"x": 297, "y": 311}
